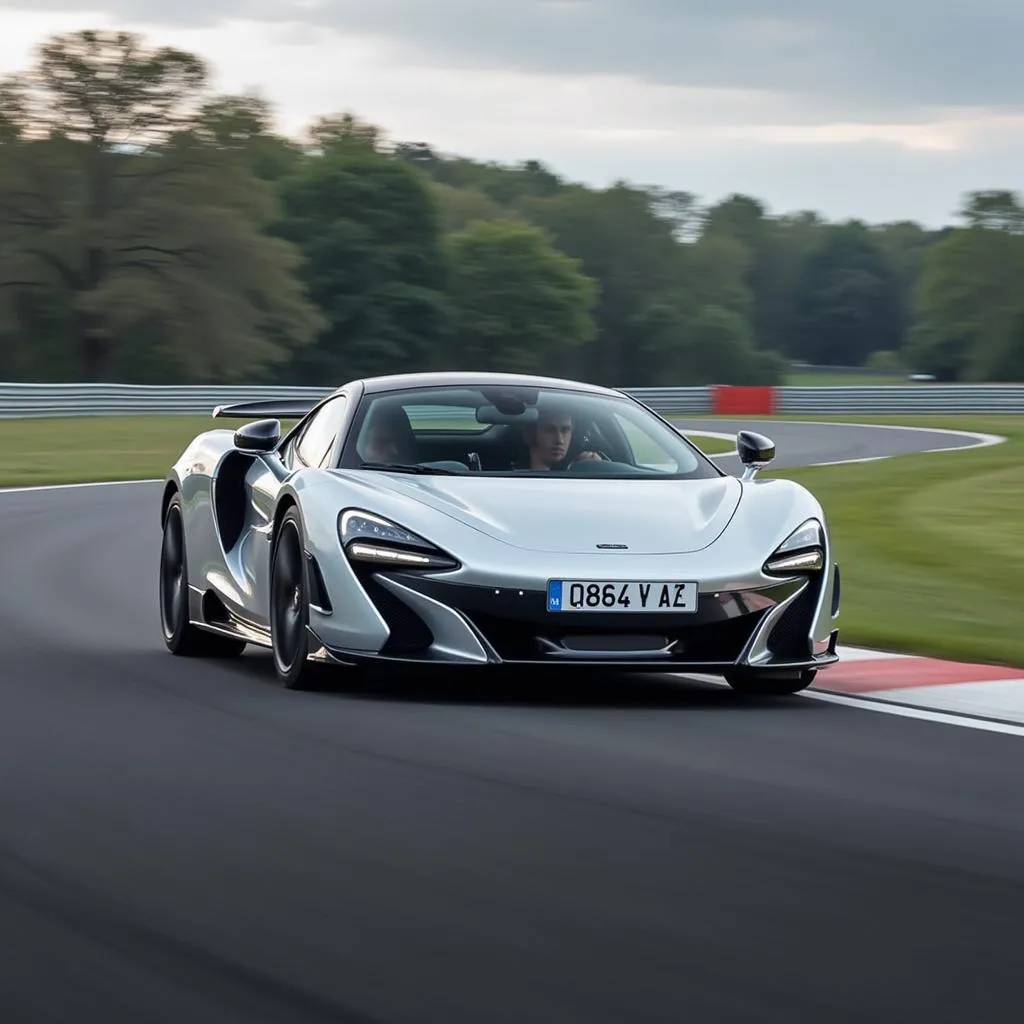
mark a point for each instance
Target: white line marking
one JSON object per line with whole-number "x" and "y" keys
{"x": 940, "y": 717}
{"x": 870, "y": 458}
{"x": 868, "y": 703}
{"x": 718, "y": 436}
{"x": 709, "y": 433}
{"x": 983, "y": 440}
{"x": 996, "y": 699}
{"x": 64, "y": 487}
{"x": 847, "y": 654}
{"x": 980, "y": 440}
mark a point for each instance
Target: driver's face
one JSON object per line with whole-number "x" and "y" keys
{"x": 551, "y": 440}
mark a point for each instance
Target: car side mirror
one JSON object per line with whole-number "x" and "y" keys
{"x": 755, "y": 451}
{"x": 260, "y": 436}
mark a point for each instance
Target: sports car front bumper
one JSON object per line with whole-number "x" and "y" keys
{"x": 436, "y": 621}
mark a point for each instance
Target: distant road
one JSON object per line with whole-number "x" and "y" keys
{"x": 807, "y": 444}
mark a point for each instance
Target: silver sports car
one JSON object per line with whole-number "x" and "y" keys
{"x": 482, "y": 519}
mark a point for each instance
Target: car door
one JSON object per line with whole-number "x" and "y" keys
{"x": 311, "y": 447}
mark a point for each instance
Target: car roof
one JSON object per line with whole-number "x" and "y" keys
{"x": 461, "y": 379}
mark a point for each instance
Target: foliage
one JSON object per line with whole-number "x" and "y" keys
{"x": 368, "y": 229}
{"x": 515, "y": 298}
{"x": 162, "y": 244}
{"x": 970, "y": 302}
{"x": 154, "y": 230}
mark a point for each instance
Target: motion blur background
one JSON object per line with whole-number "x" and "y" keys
{"x": 637, "y": 194}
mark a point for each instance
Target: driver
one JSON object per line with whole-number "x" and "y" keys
{"x": 548, "y": 439}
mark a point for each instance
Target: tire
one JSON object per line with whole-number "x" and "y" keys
{"x": 289, "y": 605}
{"x": 769, "y": 685}
{"x": 182, "y": 637}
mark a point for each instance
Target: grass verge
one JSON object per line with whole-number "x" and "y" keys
{"x": 932, "y": 545}
{"x": 75, "y": 450}
{"x": 824, "y": 379}
{"x": 62, "y": 451}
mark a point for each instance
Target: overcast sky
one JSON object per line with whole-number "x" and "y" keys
{"x": 879, "y": 109}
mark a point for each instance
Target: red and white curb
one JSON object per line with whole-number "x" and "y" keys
{"x": 966, "y": 688}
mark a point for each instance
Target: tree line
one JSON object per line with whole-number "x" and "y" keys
{"x": 154, "y": 231}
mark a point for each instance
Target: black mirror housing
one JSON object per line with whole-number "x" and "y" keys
{"x": 754, "y": 450}
{"x": 260, "y": 436}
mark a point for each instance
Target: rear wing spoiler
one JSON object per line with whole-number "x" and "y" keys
{"x": 269, "y": 408}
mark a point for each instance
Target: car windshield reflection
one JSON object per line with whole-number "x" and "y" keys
{"x": 518, "y": 431}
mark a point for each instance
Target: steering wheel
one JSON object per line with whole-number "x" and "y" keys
{"x": 602, "y": 455}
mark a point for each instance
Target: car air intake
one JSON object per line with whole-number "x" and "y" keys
{"x": 603, "y": 642}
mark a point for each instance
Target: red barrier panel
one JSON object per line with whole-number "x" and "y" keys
{"x": 730, "y": 400}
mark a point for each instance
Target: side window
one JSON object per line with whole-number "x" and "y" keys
{"x": 318, "y": 437}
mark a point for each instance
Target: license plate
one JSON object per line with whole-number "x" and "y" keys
{"x": 620, "y": 596}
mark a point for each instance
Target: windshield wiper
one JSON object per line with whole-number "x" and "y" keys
{"x": 402, "y": 467}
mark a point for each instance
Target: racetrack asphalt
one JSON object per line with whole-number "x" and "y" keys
{"x": 807, "y": 444}
{"x": 187, "y": 841}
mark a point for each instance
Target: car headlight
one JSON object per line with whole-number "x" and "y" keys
{"x": 366, "y": 537}
{"x": 802, "y": 551}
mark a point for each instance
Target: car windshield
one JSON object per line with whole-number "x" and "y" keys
{"x": 506, "y": 430}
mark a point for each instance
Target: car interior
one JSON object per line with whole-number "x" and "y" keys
{"x": 453, "y": 438}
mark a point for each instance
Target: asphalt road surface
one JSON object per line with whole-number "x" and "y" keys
{"x": 807, "y": 444}
{"x": 184, "y": 841}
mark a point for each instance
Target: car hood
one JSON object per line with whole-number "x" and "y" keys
{"x": 576, "y": 516}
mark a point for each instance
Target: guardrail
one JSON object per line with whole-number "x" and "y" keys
{"x": 991, "y": 399}
{"x": 22, "y": 401}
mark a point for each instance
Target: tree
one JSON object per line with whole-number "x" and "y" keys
{"x": 368, "y": 227}
{"x": 847, "y": 302}
{"x": 994, "y": 210}
{"x": 243, "y": 125}
{"x": 678, "y": 208}
{"x": 153, "y": 229}
{"x": 968, "y": 301}
{"x": 678, "y": 343}
{"x": 459, "y": 207}
{"x": 134, "y": 228}
{"x": 346, "y": 132}
{"x": 718, "y": 272}
{"x": 631, "y": 253}
{"x": 516, "y": 300}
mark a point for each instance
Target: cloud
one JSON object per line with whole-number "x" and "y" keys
{"x": 879, "y": 56}
{"x": 878, "y": 110}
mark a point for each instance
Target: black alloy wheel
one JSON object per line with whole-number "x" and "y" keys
{"x": 289, "y": 605}
{"x": 180, "y": 635}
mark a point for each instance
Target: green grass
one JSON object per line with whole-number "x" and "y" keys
{"x": 824, "y": 379}
{"x": 62, "y": 451}
{"x": 713, "y": 445}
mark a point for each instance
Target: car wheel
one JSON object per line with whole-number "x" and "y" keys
{"x": 289, "y": 605}
{"x": 181, "y": 636}
{"x": 771, "y": 685}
